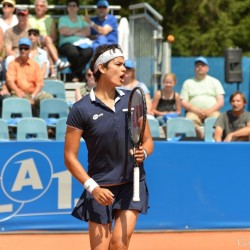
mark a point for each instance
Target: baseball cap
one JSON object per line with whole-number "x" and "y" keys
{"x": 201, "y": 59}
{"x": 102, "y": 3}
{"x": 9, "y": 1}
{"x": 22, "y": 10}
{"x": 24, "y": 41}
{"x": 129, "y": 64}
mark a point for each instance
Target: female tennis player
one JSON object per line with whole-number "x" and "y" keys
{"x": 100, "y": 118}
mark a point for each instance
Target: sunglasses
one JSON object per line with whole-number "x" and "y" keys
{"x": 33, "y": 34}
{"x": 24, "y": 48}
{"x": 7, "y": 5}
{"x": 102, "y": 7}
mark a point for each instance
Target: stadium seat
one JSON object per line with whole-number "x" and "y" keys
{"x": 4, "y": 130}
{"x": 15, "y": 108}
{"x": 55, "y": 87}
{"x": 209, "y": 129}
{"x": 180, "y": 127}
{"x": 61, "y": 129}
{"x": 154, "y": 127}
{"x": 53, "y": 109}
{"x": 31, "y": 128}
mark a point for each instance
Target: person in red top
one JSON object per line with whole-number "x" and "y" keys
{"x": 24, "y": 76}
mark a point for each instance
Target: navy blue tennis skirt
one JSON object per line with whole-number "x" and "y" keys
{"x": 88, "y": 209}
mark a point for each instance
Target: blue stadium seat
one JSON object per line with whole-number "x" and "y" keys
{"x": 61, "y": 129}
{"x": 154, "y": 127}
{"x": 31, "y": 128}
{"x": 55, "y": 87}
{"x": 53, "y": 109}
{"x": 209, "y": 129}
{"x": 4, "y": 130}
{"x": 180, "y": 127}
{"x": 15, "y": 108}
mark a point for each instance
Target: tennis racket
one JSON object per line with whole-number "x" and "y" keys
{"x": 137, "y": 115}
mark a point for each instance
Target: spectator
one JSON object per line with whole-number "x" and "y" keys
{"x": 73, "y": 42}
{"x": 82, "y": 91}
{"x": 233, "y": 125}
{"x": 103, "y": 26}
{"x": 130, "y": 82}
{"x": 202, "y": 96}
{"x": 166, "y": 101}
{"x": 13, "y": 35}
{"x": 48, "y": 35}
{"x": 38, "y": 54}
{"x": 24, "y": 77}
{"x": 8, "y": 19}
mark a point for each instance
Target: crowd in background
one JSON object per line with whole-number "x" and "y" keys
{"x": 29, "y": 53}
{"x": 77, "y": 40}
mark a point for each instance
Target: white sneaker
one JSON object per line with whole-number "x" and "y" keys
{"x": 62, "y": 65}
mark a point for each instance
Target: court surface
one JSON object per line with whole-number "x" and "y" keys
{"x": 216, "y": 240}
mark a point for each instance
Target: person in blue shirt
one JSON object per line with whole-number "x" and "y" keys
{"x": 104, "y": 26}
{"x": 100, "y": 118}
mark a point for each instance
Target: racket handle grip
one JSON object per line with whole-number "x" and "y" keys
{"x": 136, "y": 187}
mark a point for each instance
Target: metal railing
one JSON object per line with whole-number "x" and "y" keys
{"x": 146, "y": 44}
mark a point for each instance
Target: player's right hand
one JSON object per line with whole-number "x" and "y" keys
{"x": 103, "y": 196}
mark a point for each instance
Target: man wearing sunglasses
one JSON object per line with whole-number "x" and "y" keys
{"x": 103, "y": 26}
{"x": 24, "y": 77}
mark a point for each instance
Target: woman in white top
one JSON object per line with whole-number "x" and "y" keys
{"x": 38, "y": 54}
{"x": 8, "y": 19}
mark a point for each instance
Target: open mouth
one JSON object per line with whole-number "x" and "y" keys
{"x": 122, "y": 77}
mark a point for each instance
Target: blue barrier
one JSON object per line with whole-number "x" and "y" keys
{"x": 192, "y": 185}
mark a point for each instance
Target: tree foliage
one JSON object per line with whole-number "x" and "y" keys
{"x": 205, "y": 27}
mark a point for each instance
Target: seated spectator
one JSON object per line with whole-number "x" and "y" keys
{"x": 166, "y": 101}
{"x": 233, "y": 125}
{"x": 130, "y": 82}
{"x": 13, "y": 35}
{"x": 24, "y": 77}
{"x": 201, "y": 96}
{"x": 73, "y": 41}
{"x": 8, "y": 19}
{"x": 48, "y": 34}
{"x": 38, "y": 54}
{"x": 85, "y": 89}
{"x": 104, "y": 26}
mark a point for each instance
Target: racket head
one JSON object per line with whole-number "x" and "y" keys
{"x": 137, "y": 116}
